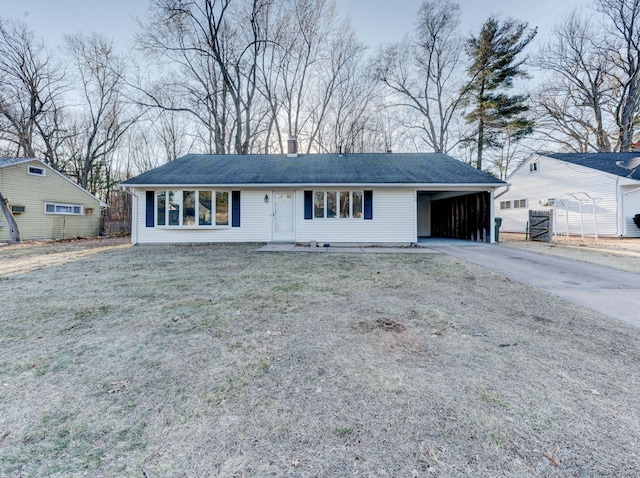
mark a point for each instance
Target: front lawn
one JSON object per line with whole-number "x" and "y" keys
{"x": 220, "y": 361}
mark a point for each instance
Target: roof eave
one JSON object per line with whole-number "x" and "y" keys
{"x": 443, "y": 186}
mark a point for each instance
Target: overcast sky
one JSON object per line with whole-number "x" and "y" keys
{"x": 375, "y": 21}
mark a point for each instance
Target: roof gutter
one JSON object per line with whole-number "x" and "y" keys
{"x": 425, "y": 186}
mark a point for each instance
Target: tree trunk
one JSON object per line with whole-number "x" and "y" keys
{"x": 480, "y": 143}
{"x": 13, "y": 226}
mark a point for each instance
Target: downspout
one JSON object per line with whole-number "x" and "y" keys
{"x": 503, "y": 192}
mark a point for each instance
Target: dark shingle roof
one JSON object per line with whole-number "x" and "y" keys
{"x": 11, "y": 161}
{"x": 620, "y": 164}
{"x": 256, "y": 169}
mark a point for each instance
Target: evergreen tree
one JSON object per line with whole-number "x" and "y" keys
{"x": 493, "y": 69}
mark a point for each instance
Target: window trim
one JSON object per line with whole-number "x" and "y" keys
{"x": 42, "y": 174}
{"x": 179, "y": 199}
{"x": 337, "y": 215}
{"x": 56, "y": 205}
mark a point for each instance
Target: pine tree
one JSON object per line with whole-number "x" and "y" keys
{"x": 493, "y": 69}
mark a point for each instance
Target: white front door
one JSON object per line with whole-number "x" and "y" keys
{"x": 283, "y": 216}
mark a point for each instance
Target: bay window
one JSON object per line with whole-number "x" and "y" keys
{"x": 191, "y": 208}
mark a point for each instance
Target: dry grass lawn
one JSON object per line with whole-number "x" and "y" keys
{"x": 220, "y": 361}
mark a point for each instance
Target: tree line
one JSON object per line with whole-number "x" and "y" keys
{"x": 242, "y": 76}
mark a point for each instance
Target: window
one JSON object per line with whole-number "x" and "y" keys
{"x": 533, "y": 166}
{"x": 337, "y": 204}
{"x": 55, "y": 208}
{"x": 36, "y": 171}
{"x": 519, "y": 203}
{"x": 505, "y": 204}
{"x": 192, "y": 208}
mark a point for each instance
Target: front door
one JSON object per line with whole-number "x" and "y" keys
{"x": 283, "y": 216}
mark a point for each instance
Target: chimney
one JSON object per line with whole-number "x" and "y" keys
{"x": 292, "y": 147}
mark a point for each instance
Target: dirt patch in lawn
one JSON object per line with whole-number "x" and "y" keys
{"x": 217, "y": 360}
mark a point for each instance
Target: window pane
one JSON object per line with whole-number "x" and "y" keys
{"x": 318, "y": 204}
{"x": 174, "y": 208}
{"x": 222, "y": 208}
{"x": 204, "y": 209}
{"x": 162, "y": 208}
{"x": 76, "y": 209}
{"x": 357, "y": 203}
{"x": 332, "y": 205}
{"x": 188, "y": 208}
{"x": 51, "y": 208}
{"x": 344, "y": 204}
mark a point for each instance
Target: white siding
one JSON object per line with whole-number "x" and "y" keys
{"x": 394, "y": 221}
{"x": 556, "y": 179}
{"x": 255, "y": 224}
{"x": 631, "y": 208}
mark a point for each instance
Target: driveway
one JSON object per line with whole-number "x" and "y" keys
{"x": 613, "y": 292}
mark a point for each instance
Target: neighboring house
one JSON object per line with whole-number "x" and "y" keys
{"x": 589, "y": 193}
{"x": 327, "y": 198}
{"x": 46, "y": 204}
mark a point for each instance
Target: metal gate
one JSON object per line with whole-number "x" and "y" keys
{"x": 540, "y": 225}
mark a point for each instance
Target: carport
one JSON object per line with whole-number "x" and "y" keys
{"x": 462, "y": 215}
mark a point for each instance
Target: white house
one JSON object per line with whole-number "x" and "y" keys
{"x": 590, "y": 193}
{"x": 328, "y": 198}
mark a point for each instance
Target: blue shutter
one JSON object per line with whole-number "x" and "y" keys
{"x": 368, "y": 204}
{"x": 235, "y": 208}
{"x": 308, "y": 204}
{"x": 150, "y": 208}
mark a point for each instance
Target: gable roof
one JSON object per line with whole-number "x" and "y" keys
{"x": 619, "y": 164}
{"x": 317, "y": 169}
{"x": 4, "y": 162}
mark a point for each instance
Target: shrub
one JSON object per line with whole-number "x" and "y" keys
{"x": 636, "y": 220}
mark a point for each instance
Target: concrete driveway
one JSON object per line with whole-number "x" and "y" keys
{"x": 610, "y": 291}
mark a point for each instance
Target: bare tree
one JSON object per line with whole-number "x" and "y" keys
{"x": 623, "y": 47}
{"x": 424, "y": 72}
{"x": 215, "y": 44}
{"x": 575, "y": 104}
{"x": 106, "y": 114}
{"x": 31, "y": 89}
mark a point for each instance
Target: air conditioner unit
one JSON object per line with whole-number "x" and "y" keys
{"x": 15, "y": 209}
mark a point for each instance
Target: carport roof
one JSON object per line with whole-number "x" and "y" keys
{"x": 326, "y": 169}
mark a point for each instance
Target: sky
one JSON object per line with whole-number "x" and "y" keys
{"x": 375, "y": 21}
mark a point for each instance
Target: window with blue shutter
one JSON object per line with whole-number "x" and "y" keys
{"x": 368, "y": 204}
{"x": 308, "y": 204}
{"x": 235, "y": 208}
{"x": 150, "y": 209}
